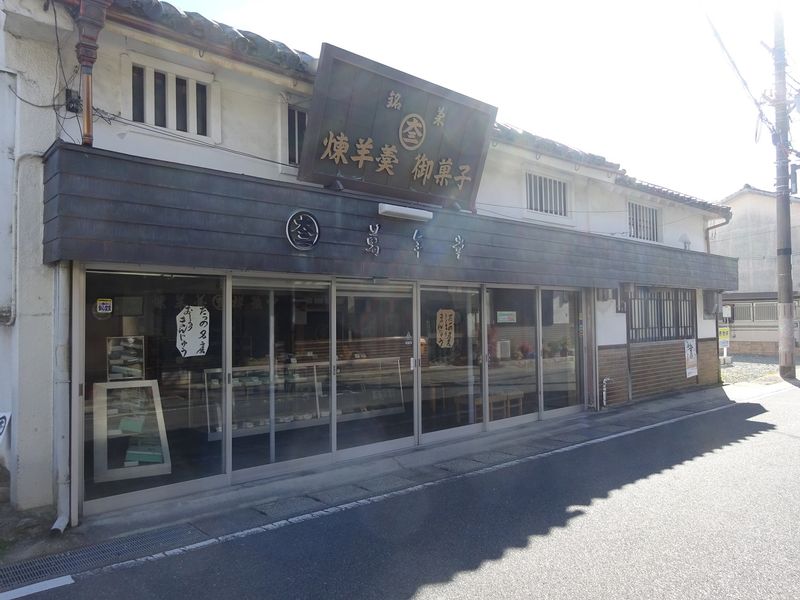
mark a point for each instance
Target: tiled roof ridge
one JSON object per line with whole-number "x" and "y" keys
{"x": 519, "y": 137}
{"x": 668, "y": 194}
{"x": 246, "y": 45}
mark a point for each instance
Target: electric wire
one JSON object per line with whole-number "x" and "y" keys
{"x": 743, "y": 81}
{"x": 111, "y": 118}
{"x": 61, "y": 119}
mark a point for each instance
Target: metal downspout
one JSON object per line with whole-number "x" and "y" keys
{"x": 709, "y": 228}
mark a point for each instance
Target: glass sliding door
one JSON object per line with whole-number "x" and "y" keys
{"x": 281, "y": 375}
{"x": 450, "y": 352}
{"x": 561, "y": 349}
{"x": 302, "y": 379}
{"x": 512, "y": 343}
{"x": 374, "y": 383}
{"x": 252, "y": 377}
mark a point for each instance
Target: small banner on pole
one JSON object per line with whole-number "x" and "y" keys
{"x": 690, "y": 349}
{"x": 724, "y": 336}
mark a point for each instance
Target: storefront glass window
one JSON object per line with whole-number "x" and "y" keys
{"x": 281, "y": 402}
{"x": 374, "y": 385}
{"x": 251, "y": 378}
{"x": 152, "y": 411}
{"x": 561, "y": 349}
{"x": 302, "y": 378}
{"x": 513, "y": 358}
{"x": 450, "y": 351}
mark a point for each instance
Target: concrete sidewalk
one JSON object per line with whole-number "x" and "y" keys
{"x": 161, "y": 526}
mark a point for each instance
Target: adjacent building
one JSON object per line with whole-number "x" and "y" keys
{"x": 751, "y": 237}
{"x": 225, "y": 260}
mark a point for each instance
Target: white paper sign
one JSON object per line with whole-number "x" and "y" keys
{"x": 560, "y": 308}
{"x": 4, "y": 421}
{"x": 690, "y": 348}
{"x": 445, "y": 327}
{"x": 193, "y": 336}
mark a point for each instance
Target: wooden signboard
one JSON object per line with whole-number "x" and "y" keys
{"x": 372, "y": 128}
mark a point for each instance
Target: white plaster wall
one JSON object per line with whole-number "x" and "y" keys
{"x": 611, "y": 325}
{"x": 7, "y": 130}
{"x": 252, "y": 115}
{"x": 29, "y": 341}
{"x": 597, "y": 204}
{"x": 751, "y": 237}
{"x": 7, "y": 230}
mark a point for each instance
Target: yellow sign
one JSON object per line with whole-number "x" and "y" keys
{"x": 724, "y": 336}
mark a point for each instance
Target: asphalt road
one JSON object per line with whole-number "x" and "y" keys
{"x": 708, "y": 507}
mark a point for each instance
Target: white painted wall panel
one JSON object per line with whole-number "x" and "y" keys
{"x": 611, "y": 325}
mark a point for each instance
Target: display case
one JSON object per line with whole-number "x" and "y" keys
{"x": 250, "y": 401}
{"x": 368, "y": 387}
{"x": 130, "y": 439}
{"x": 125, "y": 358}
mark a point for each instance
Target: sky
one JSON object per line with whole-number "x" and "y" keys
{"x": 644, "y": 84}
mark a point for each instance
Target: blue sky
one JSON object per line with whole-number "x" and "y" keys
{"x": 644, "y": 84}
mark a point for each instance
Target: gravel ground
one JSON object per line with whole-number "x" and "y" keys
{"x": 747, "y": 367}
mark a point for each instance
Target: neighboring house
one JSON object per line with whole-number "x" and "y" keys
{"x": 184, "y": 312}
{"x": 751, "y": 237}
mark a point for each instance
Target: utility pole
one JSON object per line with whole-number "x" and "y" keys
{"x": 783, "y": 222}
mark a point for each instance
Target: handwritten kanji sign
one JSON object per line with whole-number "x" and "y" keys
{"x": 193, "y": 331}
{"x": 690, "y": 350}
{"x": 445, "y": 327}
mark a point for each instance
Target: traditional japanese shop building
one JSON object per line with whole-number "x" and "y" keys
{"x": 240, "y": 261}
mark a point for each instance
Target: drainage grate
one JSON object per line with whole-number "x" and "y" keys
{"x": 100, "y": 555}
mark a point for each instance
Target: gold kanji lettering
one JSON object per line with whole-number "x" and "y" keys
{"x": 387, "y": 159}
{"x": 363, "y": 152}
{"x": 438, "y": 120}
{"x": 423, "y": 168}
{"x": 444, "y": 175}
{"x": 336, "y": 147}
{"x": 462, "y": 178}
{"x": 394, "y": 100}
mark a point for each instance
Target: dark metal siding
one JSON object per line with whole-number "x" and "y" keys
{"x": 106, "y": 206}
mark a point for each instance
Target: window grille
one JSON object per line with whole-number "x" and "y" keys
{"x": 643, "y": 222}
{"x": 657, "y": 314}
{"x": 765, "y": 311}
{"x": 165, "y": 114}
{"x": 546, "y": 195}
{"x": 297, "y": 131}
{"x": 743, "y": 312}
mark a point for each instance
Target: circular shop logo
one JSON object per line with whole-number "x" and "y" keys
{"x": 412, "y": 131}
{"x": 302, "y": 230}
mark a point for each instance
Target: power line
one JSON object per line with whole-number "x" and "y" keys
{"x": 761, "y": 114}
{"x": 111, "y": 118}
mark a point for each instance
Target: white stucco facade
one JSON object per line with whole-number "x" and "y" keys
{"x": 751, "y": 237}
{"x": 595, "y": 203}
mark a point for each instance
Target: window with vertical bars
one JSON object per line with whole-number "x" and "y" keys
{"x": 296, "y": 133}
{"x": 547, "y": 195}
{"x": 643, "y": 222}
{"x": 657, "y": 314}
{"x": 188, "y": 95}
